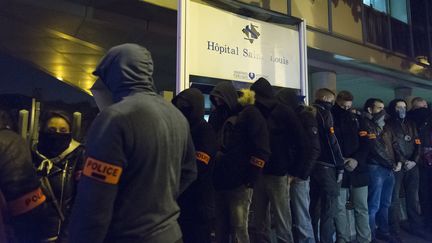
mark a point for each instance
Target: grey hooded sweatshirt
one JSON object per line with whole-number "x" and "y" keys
{"x": 140, "y": 157}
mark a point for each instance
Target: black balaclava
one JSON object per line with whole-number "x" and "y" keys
{"x": 397, "y": 113}
{"x": 52, "y": 144}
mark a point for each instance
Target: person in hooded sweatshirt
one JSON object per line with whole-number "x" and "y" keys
{"x": 328, "y": 171}
{"x": 139, "y": 157}
{"x": 422, "y": 116}
{"x": 242, "y": 153}
{"x": 306, "y": 157}
{"x": 272, "y": 188}
{"x": 407, "y": 152}
{"x": 195, "y": 203}
{"x": 59, "y": 160}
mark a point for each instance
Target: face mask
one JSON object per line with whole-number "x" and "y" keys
{"x": 401, "y": 112}
{"x": 379, "y": 118}
{"x": 52, "y": 144}
{"x": 327, "y": 105}
{"x": 101, "y": 94}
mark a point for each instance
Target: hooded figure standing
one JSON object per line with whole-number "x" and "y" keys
{"x": 195, "y": 203}
{"x": 272, "y": 188}
{"x": 242, "y": 153}
{"x": 140, "y": 157}
{"x": 306, "y": 157}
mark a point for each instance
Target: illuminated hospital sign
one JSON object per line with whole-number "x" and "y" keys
{"x": 220, "y": 44}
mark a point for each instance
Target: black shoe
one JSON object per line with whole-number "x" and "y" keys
{"x": 395, "y": 239}
{"x": 382, "y": 236}
{"x": 419, "y": 233}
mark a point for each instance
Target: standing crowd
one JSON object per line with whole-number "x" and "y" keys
{"x": 265, "y": 167}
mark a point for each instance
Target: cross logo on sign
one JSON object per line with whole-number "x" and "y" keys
{"x": 251, "y": 33}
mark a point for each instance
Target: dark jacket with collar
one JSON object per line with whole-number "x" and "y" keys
{"x": 26, "y": 205}
{"x": 347, "y": 130}
{"x": 63, "y": 179}
{"x": 406, "y": 144}
{"x": 331, "y": 154}
{"x": 379, "y": 144}
{"x": 140, "y": 158}
{"x": 246, "y": 149}
{"x": 423, "y": 120}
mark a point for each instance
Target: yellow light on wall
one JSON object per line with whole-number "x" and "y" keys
{"x": 171, "y": 4}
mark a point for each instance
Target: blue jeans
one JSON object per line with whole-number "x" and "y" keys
{"x": 300, "y": 201}
{"x": 272, "y": 192}
{"x": 381, "y": 183}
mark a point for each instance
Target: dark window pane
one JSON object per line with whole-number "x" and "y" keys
{"x": 377, "y": 27}
{"x": 400, "y": 36}
{"x": 419, "y": 22}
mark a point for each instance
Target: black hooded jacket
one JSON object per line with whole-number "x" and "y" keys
{"x": 285, "y": 131}
{"x": 406, "y": 143}
{"x": 226, "y": 92}
{"x": 347, "y": 130}
{"x": 140, "y": 157}
{"x": 309, "y": 150}
{"x": 191, "y": 103}
{"x": 246, "y": 148}
{"x": 331, "y": 154}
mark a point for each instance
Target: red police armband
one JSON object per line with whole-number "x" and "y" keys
{"x": 417, "y": 141}
{"x": 102, "y": 171}
{"x": 257, "y": 162}
{"x": 203, "y": 157}
{"x": 363, "y": 133}
{"x": 27, "y": 202}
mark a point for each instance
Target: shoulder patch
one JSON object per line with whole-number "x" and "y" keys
{"x": 363, "y": 133}
{"x": 102, "y": 171}
{"x": 257, "y": 162}
{"x": 203, "y": 157}
{"x": 26, "y": 202}
{"x": 417, "y": 141}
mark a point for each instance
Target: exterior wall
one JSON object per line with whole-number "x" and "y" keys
{"x": 347, "y": 19}
{"x": 315, "y": 12}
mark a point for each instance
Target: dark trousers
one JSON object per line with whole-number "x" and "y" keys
{"x": 195, "y": 217}
{"x": 410, "y": 181}
{"x": 324, "y": 200}
{"x": 425, "y": 193}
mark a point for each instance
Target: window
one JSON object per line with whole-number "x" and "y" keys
{"x": 378, "y": 24}
{"x": 379, "y": 5}
{"x": 398, "y": 10}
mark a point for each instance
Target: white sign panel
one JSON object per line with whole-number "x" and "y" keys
{"x": 224, "y": 45}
